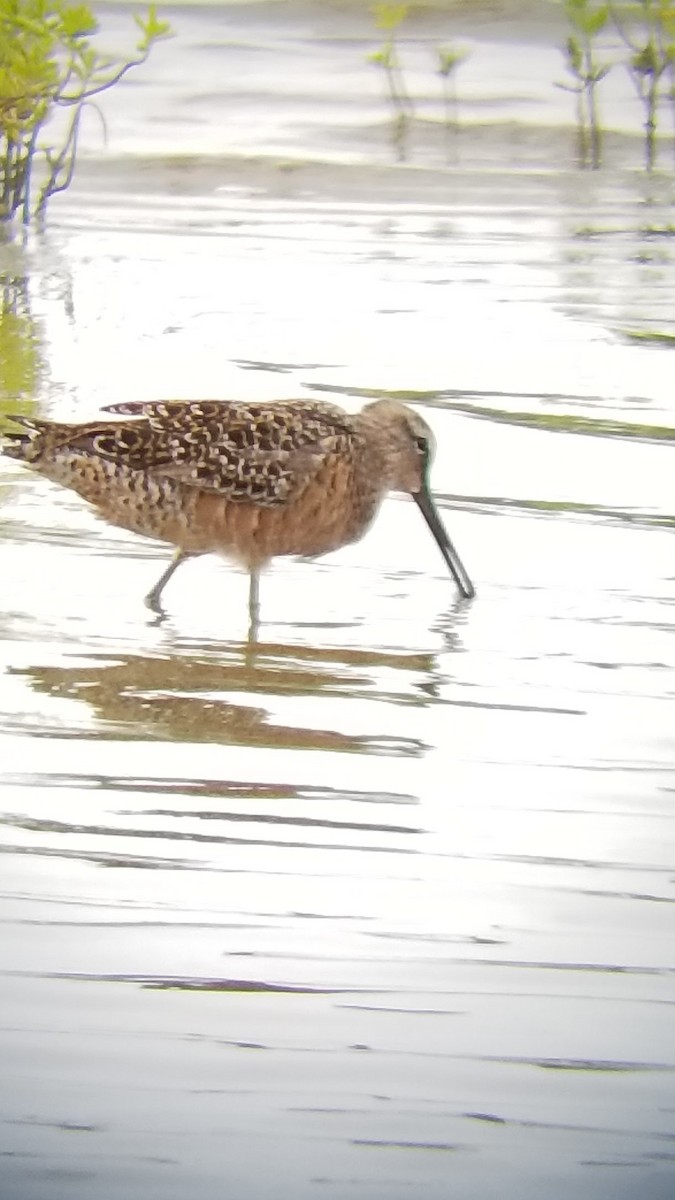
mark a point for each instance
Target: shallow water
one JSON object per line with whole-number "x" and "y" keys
{"x": 383, "y": 905}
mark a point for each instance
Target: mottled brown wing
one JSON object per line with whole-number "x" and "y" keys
{"x": 247, "y": 452}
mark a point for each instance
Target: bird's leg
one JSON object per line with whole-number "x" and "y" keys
{"x": 152, "y": 598}
{"x": 253, "y": 604}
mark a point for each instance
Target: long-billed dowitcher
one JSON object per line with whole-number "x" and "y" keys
{"x": 251, "y": 481}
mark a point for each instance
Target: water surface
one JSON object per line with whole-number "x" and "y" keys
{"x": 382, "y": 905}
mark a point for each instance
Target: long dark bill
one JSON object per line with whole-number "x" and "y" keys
{"x": 428, "y": 511}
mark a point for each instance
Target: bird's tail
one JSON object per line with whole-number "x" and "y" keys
{"x": 27, "y": 444}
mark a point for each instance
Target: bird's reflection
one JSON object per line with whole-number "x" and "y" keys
{"x": 224, "y": 693}
{"x": 450, "y": 623}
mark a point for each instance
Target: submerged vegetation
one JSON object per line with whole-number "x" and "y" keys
{"x": 450, "y": 399}
{"x": 21, "y": 356}
{"x": 569, "y": 423}
{"x": 49, "y": 65}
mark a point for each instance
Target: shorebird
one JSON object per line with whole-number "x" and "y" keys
{"x": 250, "y": 481}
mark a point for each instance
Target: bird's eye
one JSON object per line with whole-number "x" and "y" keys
{"x": 422, "y": 444}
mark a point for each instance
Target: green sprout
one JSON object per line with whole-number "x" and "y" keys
{"x": 449, "y": 59}
{"x": 651, "y": 61}
{"x": 586, "y": 22}
{"x": 388, "y": 18}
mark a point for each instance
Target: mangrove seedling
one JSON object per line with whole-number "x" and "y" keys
{"x": 665, "y": 16}
{"x": 449, "y": 59}
{"x": 48, "y": 64}
{"x": 587, "y": 22}
{"x": 649, "y": 61}
{"x": 388, "y": 18}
